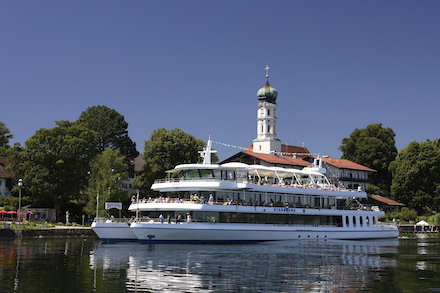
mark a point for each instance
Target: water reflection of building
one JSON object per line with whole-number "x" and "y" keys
{"x": 301, "y": 266}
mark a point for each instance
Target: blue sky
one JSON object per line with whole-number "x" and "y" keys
{"x": 197, "y": 65}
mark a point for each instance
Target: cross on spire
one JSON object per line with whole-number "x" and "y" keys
{"x": 267, "y": 71}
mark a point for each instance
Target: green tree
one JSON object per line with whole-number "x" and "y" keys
{"x": 111, "y": 128}
{"x": 54, "y": 163}
{"x": 106, "y": 176}
{"x": 5, "y": 136}
{"x": 375, "y": 148}
{"x": 165, "y": 150}
{"x": 416, "y": 176}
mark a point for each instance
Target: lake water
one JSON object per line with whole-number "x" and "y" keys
{"x": 408, "y": 264}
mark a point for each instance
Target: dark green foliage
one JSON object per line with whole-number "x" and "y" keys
{"x": 165, "y": 150}
{"x": 416, "y": 176}
{"x": 375, "y": 148}
{"x": 54, "y": 163}
{"x": 5, "y": 136}
{"x": 106, "y": 176}
{"x": 405, "y": 215}
{"x": 111, "y": 128}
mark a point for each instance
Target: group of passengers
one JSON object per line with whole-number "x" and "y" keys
{"x": 160, "y": 199}
{"x": 223, "y": 201}
{"x": 306, "y": 185}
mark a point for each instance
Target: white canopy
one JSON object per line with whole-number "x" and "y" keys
{"x": 422, "y": 223}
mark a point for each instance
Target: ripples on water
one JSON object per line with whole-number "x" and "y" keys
{"x": 77, "y": 265}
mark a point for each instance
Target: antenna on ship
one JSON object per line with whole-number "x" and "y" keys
{"x": 207, "y": 151}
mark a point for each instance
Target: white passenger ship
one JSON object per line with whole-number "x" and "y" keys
{"x": 112, "y": 230}
{"x": 236, "y": 202}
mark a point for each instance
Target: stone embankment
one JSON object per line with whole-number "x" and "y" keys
{"x": 59, "y": 231}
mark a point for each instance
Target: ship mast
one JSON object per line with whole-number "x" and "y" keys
{"x": 207, "y": 151}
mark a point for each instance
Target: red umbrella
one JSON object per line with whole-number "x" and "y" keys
{"x": 11, "y": 212}
{"x": 3, "y": 212}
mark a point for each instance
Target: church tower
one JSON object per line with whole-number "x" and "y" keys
{"x": 267, "y": 141}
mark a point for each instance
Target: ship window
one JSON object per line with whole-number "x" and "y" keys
{"x": 354, "y": 221}
{"x": 367, "y": 219}
{"x": 206, "y": 173}
{"x": 374, "y": 221}
{"x": 217, "y": 174}
{"x": 347, "y": 222}
{"x": 361, "y": 222}
{"x": 191, "y": 173}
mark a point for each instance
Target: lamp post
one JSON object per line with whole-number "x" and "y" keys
{"x": 20, "y": 184}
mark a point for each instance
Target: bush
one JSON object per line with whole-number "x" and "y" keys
{"x": 434, "y": 219}
{"x": 408, "y": 215}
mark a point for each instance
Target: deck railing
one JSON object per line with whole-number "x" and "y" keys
{"x": 244, "y": 180}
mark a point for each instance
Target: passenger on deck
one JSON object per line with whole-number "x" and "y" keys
{"x": 188, "y": 218}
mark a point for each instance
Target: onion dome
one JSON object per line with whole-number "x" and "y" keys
{"x": 267, "y": 94}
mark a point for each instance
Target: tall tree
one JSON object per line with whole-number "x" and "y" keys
{"x": 375, "y": 148}
{"x": 416, "y": 176}
{"x": 5, "y": 136}
{"x": 54, "y": 162}
{"x": 165, "y": 150}
{"x": 112, "y": 130}
{"x": 106, "y": 176}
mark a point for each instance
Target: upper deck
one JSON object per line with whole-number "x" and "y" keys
{"x": 252, "y": 178}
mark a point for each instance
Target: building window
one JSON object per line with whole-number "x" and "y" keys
{"x": 268, "y": 112}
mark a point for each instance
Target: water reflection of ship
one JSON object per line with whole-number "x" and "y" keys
{"x": 284, "y": 266}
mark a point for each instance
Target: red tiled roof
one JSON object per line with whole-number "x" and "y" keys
{"x": 346, "y": 164}
{"x": 279, "y": 159}
{"x": 291, "y": 149}
{"x": 385, "y": 200}
{"x": 3, "y": 164}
